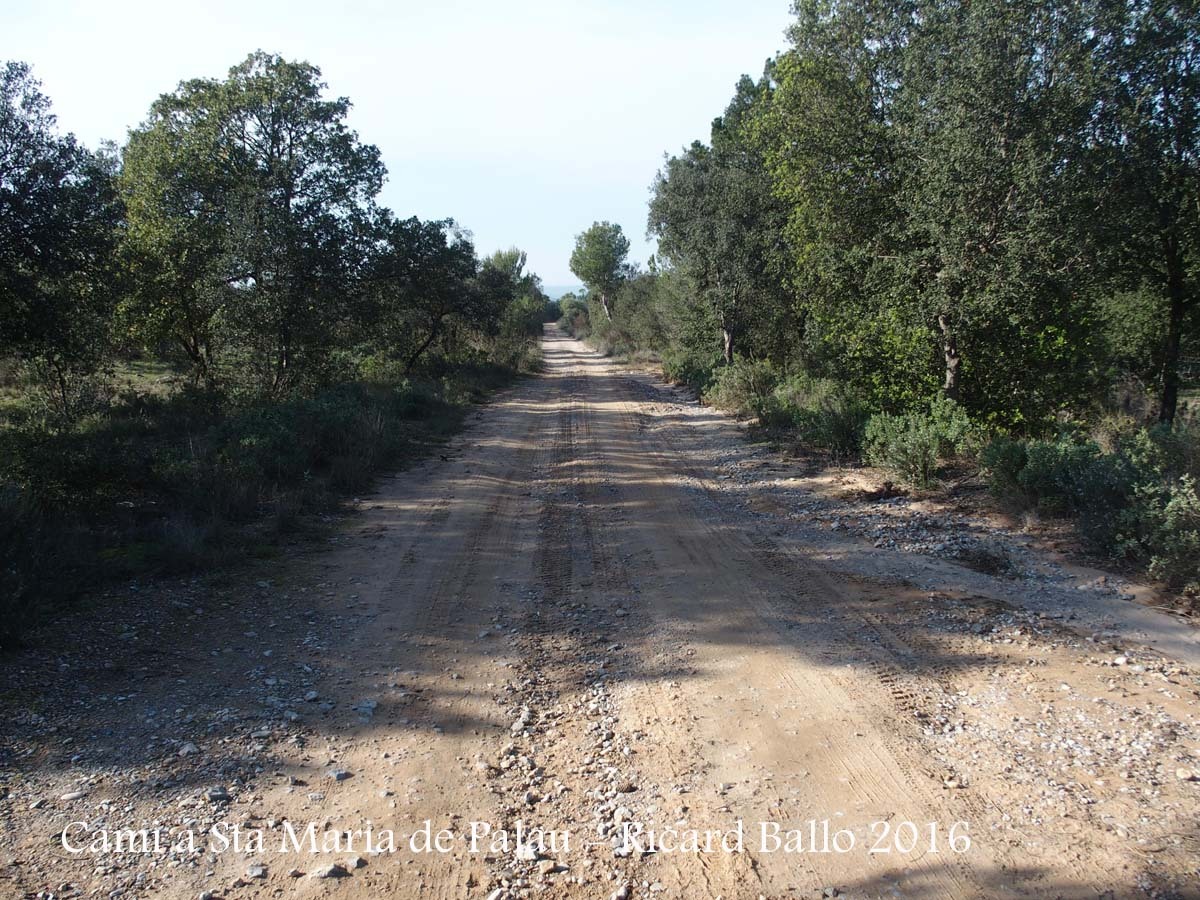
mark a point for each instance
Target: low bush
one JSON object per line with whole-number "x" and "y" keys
{"x": 1135, "y": 501}
{"x": 818, "y": 413}
{"x": 835, "y": 425}
{"x": 1003, "y": 459}
{"x": 743, "y": 387}
{"x": 164, "y": 484}
{"x": 913, "y": 445}
{"x": 1172, "y": 541}
{"x": 907, "y": 445}
{"x": 692, "y": 368}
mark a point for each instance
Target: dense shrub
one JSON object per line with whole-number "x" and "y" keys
{"x": 835, "y": 425}
{"x": 1066, "y": 477}
{"x": 167, "y": 484}
{"x": 691, "y": 367}
{"x": 742, "y": 387}
{"x": 904, "y": 444}
{"x": 820, "y": 414}
{"x": 914, "y": 444}
{"x": 1003, "y": 459}
{"x": 1172, "y": 522}
{"x": 1136, "y": 501}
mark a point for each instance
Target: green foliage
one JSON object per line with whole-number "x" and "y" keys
{"x": 59, "y": 219}
{"x": 1137, "y": 501}
{"x": 913, "y": 444}
{"x": 86, "y": 503}
{"x": 1147, "y": 100}
{"x": 1004, "y": 459}
{"x": 250, "y": 205}
{"x": 695, "y": 368}
{"x": 599, "y": 260}
{"x": 644, "y": 313}
{"x": 515, "y": 344}
{"x": 719, "y": 223}
{"x": 1131, "y": 323}
{"x": 921, "y": 151}
{"x": 1171, "y": 526}
{"x": 574, "y": 318}
{"x": 905, "y": 444}
{"x": 419, "y": 280}
{"x": 818, "y": 414}
{"x": 237, "y": 241}
{"x": 742, "y": 387}
{"x": 1064, "y": 477}
{"x": 835, "y": 425}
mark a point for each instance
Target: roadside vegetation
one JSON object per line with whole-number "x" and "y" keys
{"x": 947, "y": 234}
{"x": 213, "y": 334}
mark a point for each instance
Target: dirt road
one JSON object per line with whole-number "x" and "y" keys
{"x": 575, "y": 622}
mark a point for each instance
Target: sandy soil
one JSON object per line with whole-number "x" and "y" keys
{"x": 603, "y": 611}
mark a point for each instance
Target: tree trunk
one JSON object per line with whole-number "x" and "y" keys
{"x": 196, "y": 355}
{"x": 425, "y": 345}
{"x": 951, "y": 386}
{"x": 64, "y": 395}
{"x": 728, "y": 346}
{"x": 1177, "y": 303}
{"x": 604, "y": 306}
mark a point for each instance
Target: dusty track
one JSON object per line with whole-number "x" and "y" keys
{"x": 571, "y": 623}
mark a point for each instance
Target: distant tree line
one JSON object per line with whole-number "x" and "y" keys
{"x": 237, "y": 233}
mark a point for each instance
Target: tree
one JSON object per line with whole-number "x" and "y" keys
{"x": 718, "y": 222}
{"x": 599, "y": 261}
{"x": 990, "y": 243}
{"x": 251, "y": 213}
{"x": 827, "y": 140}
{"x": 421, "y": 274}
{"x": 1149, "y": 130}
{"x": 524, "y": 307}
{"x": 178, "y": 192}
{"x": 59, "y": 217}
{"x": 930, "y": 154}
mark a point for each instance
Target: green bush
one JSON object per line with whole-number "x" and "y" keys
{"x": 796, "y": 395}
{"x": 1066, "y": 478}
{"x": 1172, "y": 451}
{"x": 905, "y": 444}
{"x": 1058, "y": 475}
{"x": 952, "y": 426}
{"x": 1173, "y": 526}
{"x": 1138, "y": 501}
{"x": 691, "y": 367}
{"x": 835, "y": 425}
{"x": 1003, "y": 460}
{"x": 742, "y": 387}
{"x": 818, "y": 412}
{"x": 914, "y": 444}
{"x": 166, "y": 484}
{"x": 574, "y": 319}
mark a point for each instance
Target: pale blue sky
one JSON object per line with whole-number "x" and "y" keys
{"x": 525, "y": 121}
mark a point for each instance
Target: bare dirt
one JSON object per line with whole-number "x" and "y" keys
{"x": 603, "y": 606}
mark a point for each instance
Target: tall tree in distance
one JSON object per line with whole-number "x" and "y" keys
{"x": 59, "y": 220}
{"x": 599, "y": 261}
